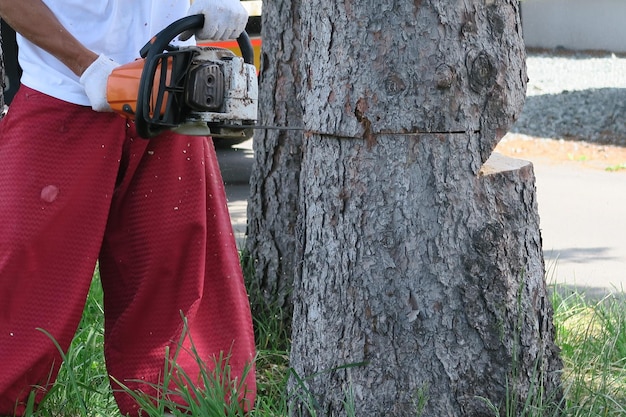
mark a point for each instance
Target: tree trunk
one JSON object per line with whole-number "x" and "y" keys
{"x": 422, "y": 286}
{"x": 2, "y": 82}
{"x": 272, "y": 207}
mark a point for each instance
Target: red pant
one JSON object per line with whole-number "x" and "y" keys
{"x": 77, "y": 186}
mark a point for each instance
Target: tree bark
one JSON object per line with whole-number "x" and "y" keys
{"x": 272, "y": 207}
{"x": 422, "y": 286}
{"x": 2, "y": 77}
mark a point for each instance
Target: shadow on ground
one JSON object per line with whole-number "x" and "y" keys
{"x": 580, "y": 255}
{"x": 594, "y": 115}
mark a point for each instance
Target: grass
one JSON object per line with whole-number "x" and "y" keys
{"x": 82, "y": 387}
{"x": 617, "y": 167}
{"x": 592, "y": 338}
{"x": 591, "y": 334}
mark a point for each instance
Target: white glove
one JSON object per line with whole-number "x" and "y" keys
{"x": 223, "y": 19}
{"x": 94, "y": 81}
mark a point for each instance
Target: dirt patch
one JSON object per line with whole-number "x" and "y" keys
{"x": 559, "y": 152}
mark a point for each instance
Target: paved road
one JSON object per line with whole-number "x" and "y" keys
{"x": 582, "y": 211}
{"x": 236, "y": 166}
{"x": 583, "y": 225}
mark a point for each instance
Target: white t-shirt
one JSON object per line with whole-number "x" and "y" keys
{"x": 116, "y": 28}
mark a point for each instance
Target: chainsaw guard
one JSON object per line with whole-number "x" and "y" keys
{"x": 193, "y": 90}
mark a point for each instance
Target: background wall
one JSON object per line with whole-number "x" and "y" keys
{"x": 575, "y": 24}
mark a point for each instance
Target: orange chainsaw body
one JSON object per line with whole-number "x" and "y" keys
{"x": 192, "y": 90}
{"x": 123, "y": 88}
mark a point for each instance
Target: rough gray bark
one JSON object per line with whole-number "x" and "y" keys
{"x": 400, "y": 66}
{"x": 272, "y": 207}
{"x": 422, "y": 265}
{"x": 1, "y": 78}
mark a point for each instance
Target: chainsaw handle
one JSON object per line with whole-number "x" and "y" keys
{"x": 245, "y": 47}
{"x": 161, "y": 40}
{"x": 156, "y": 46}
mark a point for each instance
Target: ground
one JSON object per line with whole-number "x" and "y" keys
{"x": 563, "y": 152}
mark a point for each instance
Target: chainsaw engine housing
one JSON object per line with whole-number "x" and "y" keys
{"x": 192, "y": 90}
{"x": 221, "y": 93}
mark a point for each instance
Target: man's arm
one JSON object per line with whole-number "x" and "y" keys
{"x": 34, "y": 20}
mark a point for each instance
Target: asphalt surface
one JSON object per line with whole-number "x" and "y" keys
{"x": 236, "y": 166}
{"x": 582, "y": 212}
{"x": 583, "y": 226}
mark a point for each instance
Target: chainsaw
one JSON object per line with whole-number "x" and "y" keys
{"x": 193, "y": 90}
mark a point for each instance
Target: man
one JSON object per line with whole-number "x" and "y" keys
{"x": 77, "y": 185}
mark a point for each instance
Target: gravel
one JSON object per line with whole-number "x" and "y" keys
{"x": 575, "y": 96}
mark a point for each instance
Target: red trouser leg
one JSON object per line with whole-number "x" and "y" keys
{"x": 169, "y": 250}
{"x": 56, "y": 185}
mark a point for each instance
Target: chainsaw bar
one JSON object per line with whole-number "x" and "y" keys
{"x": 263, "y": 127}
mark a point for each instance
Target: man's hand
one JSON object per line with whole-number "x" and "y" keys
{"x": 94, "y": 80}
{"x": 223, "y": 19}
